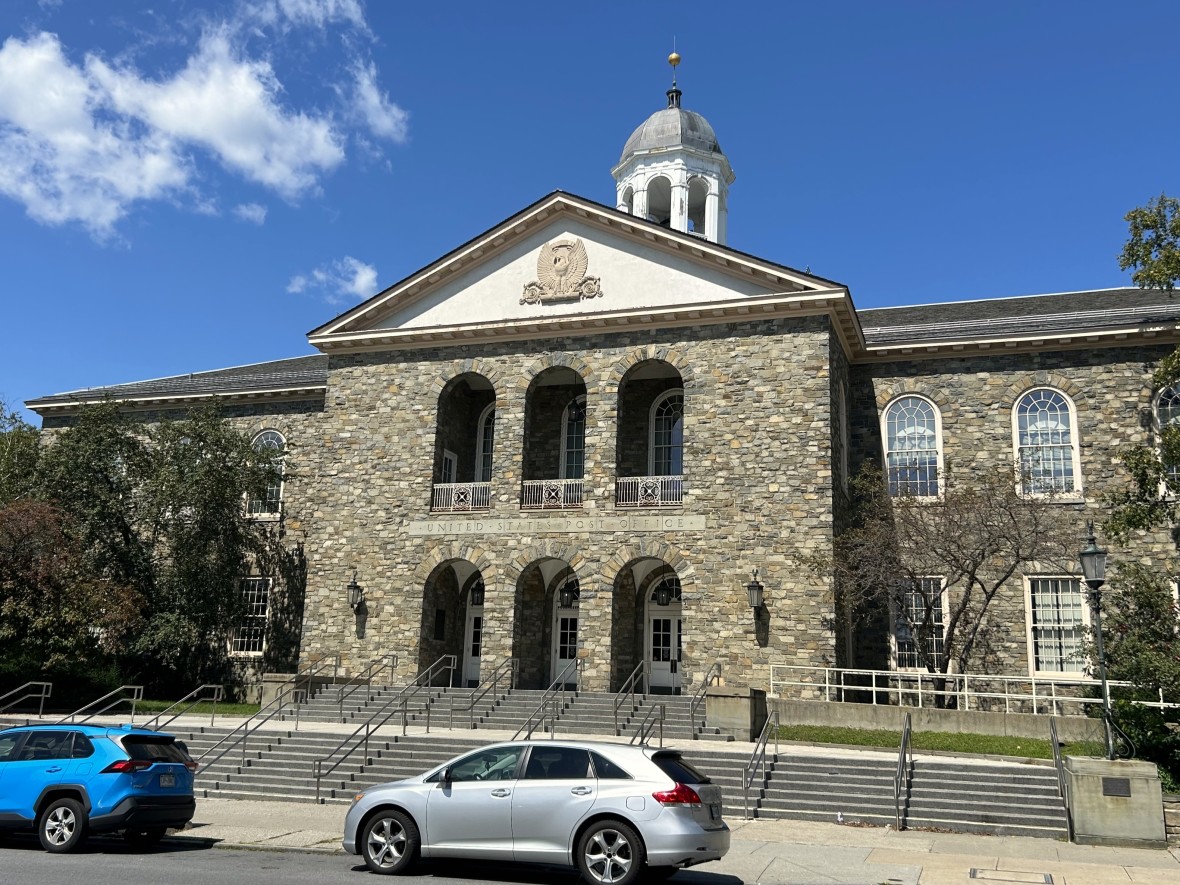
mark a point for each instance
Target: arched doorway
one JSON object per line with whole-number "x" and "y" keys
{"x": 546, "y": 632}
{"x": 664, "y": 620}
{"x": 452, "y": 619}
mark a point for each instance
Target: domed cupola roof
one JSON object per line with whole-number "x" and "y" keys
{"x": 672, "y": 127}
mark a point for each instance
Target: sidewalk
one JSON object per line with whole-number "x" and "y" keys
{"x": 767, "y": 852}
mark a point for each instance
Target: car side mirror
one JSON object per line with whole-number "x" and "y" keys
{"x": 446, "y": 775}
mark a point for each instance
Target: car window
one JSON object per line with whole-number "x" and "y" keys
{"x": 153, "y": 748}
{"x": 497, "y": 763}
{"x": 679, "y": 770}
{"x": 551, "y": 763}
{"x": 82, "y": 746}
{"x": 607, "y": 770}
{"x": 45, "y": 745}
{"x": 7, "y": 745}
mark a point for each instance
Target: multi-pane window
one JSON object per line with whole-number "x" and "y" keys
{"x": 487, "y": 427}
{"x": 272, "y": 444}
{"x": 1045, "y": 445}
{"x": 573, "y": 453}
{"x": 911, "y": 447}
{"x": 1167, "y": 414}
{"x": 918, "y": 632}
{"x": 667, "y": 435}
{"x": 250, "y": 637}
{"x": 1057, "y": 620}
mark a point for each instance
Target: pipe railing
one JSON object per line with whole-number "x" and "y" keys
{"x": 712, "y": 676}
{"x": 124, "y": 694}
{"x": 507, "y": 669}
{"x": 384, "y": 662}
{"x": 758, "y": 760}
{"x": 360, "y": 737}
{"x": 553, "y": 701}
{"x": 31, "y": 690}
{"x": 635, "y": 685}
{"x": 652, "y": 721}
{"x": 1062, "y": 785}
{"x": 904, "y": 773}
{"x": 209, "y": 692}
{"x": 286, "y": 693}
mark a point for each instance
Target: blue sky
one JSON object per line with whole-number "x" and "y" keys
{"x": 188, "y": 184}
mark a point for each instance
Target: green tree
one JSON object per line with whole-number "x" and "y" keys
{"x": 1153, "y": 248}
{"x": 19, "y": 449}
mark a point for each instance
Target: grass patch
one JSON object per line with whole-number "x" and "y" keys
{"x": 202, "y": 708}
{"x": 951, "y": 742}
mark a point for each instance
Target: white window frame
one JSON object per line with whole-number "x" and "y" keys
{"x": 1074, "y": 494}
{"x": 651, "y": 433}
{"x": 894, "y": 650}
{"x": 483, "y": 466}
{"x": 1030, "y": 628}
{"x": 250, "y": 619}
{"x": 450, "y": 463}
{"x": 1159, "y": 425}
{"x": 565, "y": 417}
{"x": 252, "y": 504}
{"x": 938, "y": 456}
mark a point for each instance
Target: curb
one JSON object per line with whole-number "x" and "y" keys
{"x": 211, "y": 842}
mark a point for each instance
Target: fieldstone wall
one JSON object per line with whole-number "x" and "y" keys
{"x": 1111, "y": 392}
{"x": 757, "y": 464}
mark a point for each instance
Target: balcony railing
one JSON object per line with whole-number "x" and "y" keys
{"x": 551, "y": 494}
{"x": 649, "y": 491}
{"x": 450, "y": 497}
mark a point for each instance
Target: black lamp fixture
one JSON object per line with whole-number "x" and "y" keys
{"x": 568, "y": 594}
{"x": 754, "y": 589}
{"x": 477, "y": 593}
{"x": 356, "y": 593}
{"x": 664, "y": 593}
{"x": 1093, "y": 560}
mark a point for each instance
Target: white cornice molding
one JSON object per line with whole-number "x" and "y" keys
{"x": 60, "y": 405}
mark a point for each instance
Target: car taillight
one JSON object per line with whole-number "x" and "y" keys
{"x": 191, "y": 765}
{"x": 681, "y": 794}
{"x": 128, "y": 766}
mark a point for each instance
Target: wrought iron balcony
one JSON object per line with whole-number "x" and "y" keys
{"x": 649, "y": 491}
{"x": 551, "y": 494}
{"x": 450, "y": 497}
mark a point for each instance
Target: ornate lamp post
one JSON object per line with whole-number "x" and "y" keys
{"x": 1093, "y": 560}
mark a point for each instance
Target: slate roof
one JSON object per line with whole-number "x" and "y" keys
{"x": 292, "y": 375}
{"x": 1030, "y": 315}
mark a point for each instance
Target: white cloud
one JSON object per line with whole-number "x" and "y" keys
{"x": 337, "y": 281}
{"x": 314, "y": 13}
{"x": 383, "y": 117}
{"x": 252, "y": 212}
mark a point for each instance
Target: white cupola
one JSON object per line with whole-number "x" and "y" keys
{"x": 672, "y": 171}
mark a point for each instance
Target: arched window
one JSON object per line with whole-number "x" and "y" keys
{"x": 912, "y": 447}
{"x": 666, "y": 591}
{"x": 271, "y": 443}
{"x": 1046, "y": 445}
{"x": 483, "y": 444}
{"x": 667, "y": 434}
{"x": 1167, "y": 415}
{"x": 573, "y": 435}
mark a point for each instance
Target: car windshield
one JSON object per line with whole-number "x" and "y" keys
{"x": 154, "y": 748}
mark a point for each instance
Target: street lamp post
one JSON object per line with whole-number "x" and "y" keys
{"x": 1093, "y": 560}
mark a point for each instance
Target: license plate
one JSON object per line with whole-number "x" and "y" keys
{"x": 167, "y": 780}
{"x": 715, "y": 812}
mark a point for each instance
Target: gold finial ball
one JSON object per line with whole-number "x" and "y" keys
{"x": 674, "y": 59}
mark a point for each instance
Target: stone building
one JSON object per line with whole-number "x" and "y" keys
{"x": 570, "y": 442}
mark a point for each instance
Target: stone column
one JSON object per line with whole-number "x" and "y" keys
{"x": 594, "y": 634}
{"x": 499, "y": 622}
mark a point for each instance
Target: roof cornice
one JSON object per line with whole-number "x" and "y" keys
{"x": 66, "y": 404}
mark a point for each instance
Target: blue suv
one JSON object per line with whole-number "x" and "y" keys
{"x": 66, "y": 781}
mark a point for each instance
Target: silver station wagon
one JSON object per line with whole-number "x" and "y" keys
{"x": 616, "y": 812}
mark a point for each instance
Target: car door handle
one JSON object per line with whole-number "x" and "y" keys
{"x": 581, "y": 791}
{"x": 53, "y": 770}
{"x": 500, "y": 793}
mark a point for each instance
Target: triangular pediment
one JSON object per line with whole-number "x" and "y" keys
{"x": 568, "y": 266}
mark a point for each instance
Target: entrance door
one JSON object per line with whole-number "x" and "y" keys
{"x": 664, "y": 643}
{"x": 565, "y": 641}
{"x": 472, "y": 645}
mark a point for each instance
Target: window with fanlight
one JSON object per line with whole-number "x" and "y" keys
{"x": 272, "y": 444}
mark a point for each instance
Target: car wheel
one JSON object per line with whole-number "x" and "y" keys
{"x": 144, "y": 838}
{"x": 610, "y": 853}
{"x": 62, "y": 826}
{"x": 390, "y": 842}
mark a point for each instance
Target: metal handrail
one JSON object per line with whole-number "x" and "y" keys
{"x": 383, "y": 662}
{"x": 45, "y": 689}
{"x": 712, "y": 675}
{"x": 758, "y": 761}
{"x": 385, "y": 712}
{"x": 136, "y": 696}
{"x": 1062, "y": 786}
{"x": 903, "y": 772}
{"x": 492, "y": 685}
{"x": 653, "y": 719}
{"x": 553, "y": 697}
{"x": 298, "y": 695}
{"x": 640, "y": 675}
{"x": 217, "y": 693}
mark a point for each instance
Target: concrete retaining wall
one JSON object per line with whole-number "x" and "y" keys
{"x": 1172, "y": 817}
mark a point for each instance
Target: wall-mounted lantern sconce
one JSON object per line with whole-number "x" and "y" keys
{"x": 664, "y": 594}
{"x": 356, "y": 593}
{"x": 567, "y": 595}
{"x": 754, "y": 589}
{"x": 477, "y": 593}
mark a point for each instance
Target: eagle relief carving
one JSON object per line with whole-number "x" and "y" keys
{"x": 561, "y": 275}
